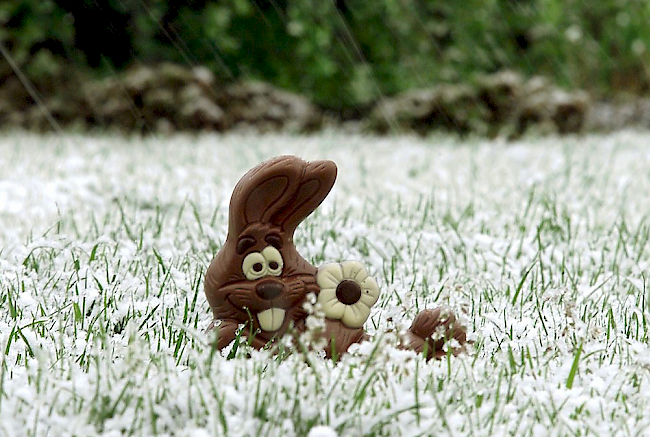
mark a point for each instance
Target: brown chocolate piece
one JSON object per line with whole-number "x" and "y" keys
{"x": 339, "y": 337}
{"x": 431, "y": 329}
{"x": 260, "y": 282}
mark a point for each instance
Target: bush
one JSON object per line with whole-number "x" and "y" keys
{"x": 341, "y": 53}
{"x": 37, "y": 34}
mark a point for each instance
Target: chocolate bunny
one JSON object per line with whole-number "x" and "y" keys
{"x": 259, "y": 281}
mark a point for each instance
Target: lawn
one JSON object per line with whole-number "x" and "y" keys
{"x": 540, "y": 246}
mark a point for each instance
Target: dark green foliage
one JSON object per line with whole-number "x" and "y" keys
{"x": 340, "y": 53}
{"x": 38, "y": 34}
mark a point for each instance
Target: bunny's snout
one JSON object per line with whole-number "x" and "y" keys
{"x": 269, "y": 289}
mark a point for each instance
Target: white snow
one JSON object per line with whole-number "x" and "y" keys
{"x": 542, "y": 247}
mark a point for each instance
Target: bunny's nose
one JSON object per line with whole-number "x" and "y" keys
{"x": 269, "y": 290}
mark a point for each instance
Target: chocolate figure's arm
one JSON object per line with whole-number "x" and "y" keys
{"x": 339, "y": 337}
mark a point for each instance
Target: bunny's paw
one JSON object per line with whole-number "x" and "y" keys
{"x": 347, "y": 293}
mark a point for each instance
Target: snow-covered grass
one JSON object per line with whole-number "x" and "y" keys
{"x": 542, "y": 248}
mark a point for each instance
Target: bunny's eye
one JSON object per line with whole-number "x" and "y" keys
{"x": 274, "y": 260}
{"x": 254, "y": 266}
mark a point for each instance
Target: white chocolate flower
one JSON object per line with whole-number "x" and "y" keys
{"x": 346, "y": 292}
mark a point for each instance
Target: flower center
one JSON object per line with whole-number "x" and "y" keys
{"x": 348, "y": 292}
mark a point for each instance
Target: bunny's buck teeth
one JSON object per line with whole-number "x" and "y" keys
{"x": 271, "y": 319}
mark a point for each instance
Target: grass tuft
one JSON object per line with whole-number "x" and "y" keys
{"x": 540, "y": 247}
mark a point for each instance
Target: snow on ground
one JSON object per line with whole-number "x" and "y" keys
{"x": 541, "y": 247}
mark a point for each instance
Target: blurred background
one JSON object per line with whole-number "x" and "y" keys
{"x": 490, "y": 67}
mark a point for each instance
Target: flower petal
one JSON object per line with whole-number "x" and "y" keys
{"x": 329, "y": 275}
{"x": 369, "y": 289}
{"x": 367, "y": 300}
{"x": 355, "y": 315}
{"x": 328, "y": 301}
{"x": 354, "y": 270}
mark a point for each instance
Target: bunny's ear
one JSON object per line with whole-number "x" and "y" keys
{"x": 263, "y": 191}
{"x": 315, "y": 184}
